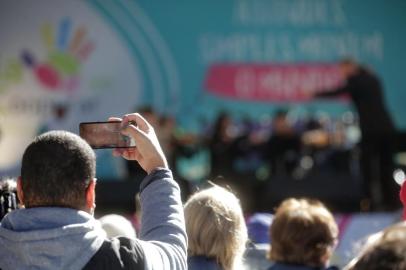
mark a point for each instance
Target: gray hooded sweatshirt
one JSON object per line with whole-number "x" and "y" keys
{"x": 48, "y": 238}
{"x": 64, "y": 238}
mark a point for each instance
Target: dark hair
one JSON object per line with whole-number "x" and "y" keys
{"x": 219, "y": 126}
{"x": 387, "y": 256}
{"x": 56, "y": 170}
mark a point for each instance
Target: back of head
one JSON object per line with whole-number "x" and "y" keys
{"x": 303, "y": 232}
{"x": 385, "y": 251}
{"x": 221, "y": 124}
{"x": 349, "y": 66}
{"x": 216, "y": 227}
{"x": 56, "y": 170}
{"x": 280, "y": 123}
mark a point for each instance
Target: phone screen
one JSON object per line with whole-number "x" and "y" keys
{"x": 104, "y": 135}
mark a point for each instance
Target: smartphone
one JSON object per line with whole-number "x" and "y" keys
{"x": 104, "y": 135}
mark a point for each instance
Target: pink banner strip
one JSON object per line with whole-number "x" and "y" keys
{"x": 293, "y": 82}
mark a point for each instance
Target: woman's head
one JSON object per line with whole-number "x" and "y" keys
{"x": 303, "y": 232}
{"x": 384, "y": 250}
{"x": 215, "y": 226}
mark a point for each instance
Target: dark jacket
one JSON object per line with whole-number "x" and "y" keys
{"x": 118, "y": 253}
{"x": 365, "y": 91}
{"x": 202, "y": 263}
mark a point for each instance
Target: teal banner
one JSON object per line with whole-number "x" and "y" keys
{"x": 177, "y": 42}
{"x": 188, "y": 59}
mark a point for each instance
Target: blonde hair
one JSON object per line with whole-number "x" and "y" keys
{"x": 216, "y": 227}
{"x": 302, "y": 232}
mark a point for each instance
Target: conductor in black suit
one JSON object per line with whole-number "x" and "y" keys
{"x": 377, "y": 133}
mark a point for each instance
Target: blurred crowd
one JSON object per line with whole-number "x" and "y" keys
{"x": 301, "y": 234}
{"x": 245, "y": 151}
{"x": 280, "y": 140}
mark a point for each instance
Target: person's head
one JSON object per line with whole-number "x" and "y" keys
{"x": 216, "y": 227}
{"x": 280, "y": 123}
{"x": 168, "y": 122}
{"x": 384, "y": 251}
{"x": 221, "y": 127}
{"x": 348, "y": 67}
{"x": 303, "y": 232}
{"x": 58, "y": 170}
{"x": 149, "y": 114}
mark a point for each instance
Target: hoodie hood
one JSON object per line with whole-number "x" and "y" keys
{"x": 48, "y": 238}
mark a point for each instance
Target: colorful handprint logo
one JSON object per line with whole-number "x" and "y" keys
{"x": 66, "y": 51}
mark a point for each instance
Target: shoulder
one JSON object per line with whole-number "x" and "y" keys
{"x": 118, "y": 253}
{"x": 364, "y": 75}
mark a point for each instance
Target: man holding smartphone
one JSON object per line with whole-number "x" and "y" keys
{"x": 56, "y": 230}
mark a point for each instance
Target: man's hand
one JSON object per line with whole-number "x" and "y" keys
{"x": 148, "y": 151}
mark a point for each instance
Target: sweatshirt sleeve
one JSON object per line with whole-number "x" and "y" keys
{"x": 163, "y": 234}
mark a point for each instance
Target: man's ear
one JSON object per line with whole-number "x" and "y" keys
{"x": 20, "y": 193}
{"x": 91, "y": 196}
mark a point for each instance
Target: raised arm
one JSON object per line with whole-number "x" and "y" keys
{"x": 333, "y": 92}
{"x": 163, "y": 235}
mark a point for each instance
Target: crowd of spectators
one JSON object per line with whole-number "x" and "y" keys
{"x": 55, "y": 226}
